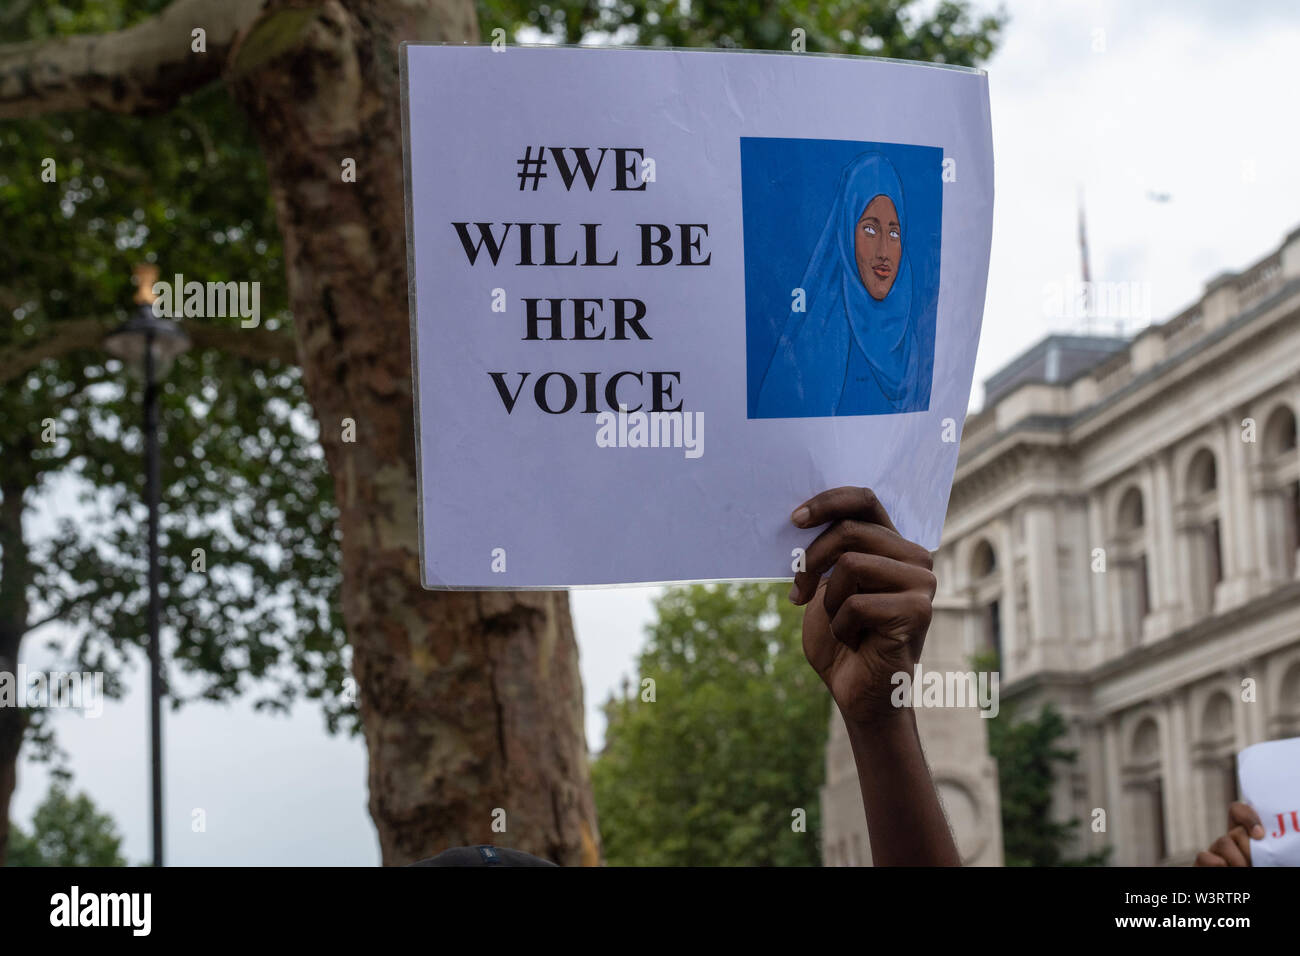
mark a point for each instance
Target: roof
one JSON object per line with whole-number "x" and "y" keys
{"x": 1057, "y": 360}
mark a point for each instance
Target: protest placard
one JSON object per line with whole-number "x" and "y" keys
{"x": 1269, "y": 778}
{"x": 661, "y": 297}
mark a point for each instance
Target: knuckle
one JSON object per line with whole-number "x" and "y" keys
{"x": 931, "y": 583}
{"x": 855, "y": 563}
{"x": 854, "y": 609}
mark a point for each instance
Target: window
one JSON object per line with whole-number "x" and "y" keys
{"x": 1292, "y": 528}
{"x": 1132, "y": 515}
{"x": 993, "y": 628}
{"x": 1200, "y": 530}
{"x": 1214, "y": 554}
{"x": 1280, "y": 432}
{"x": 1202, "y": 477}
{"x": 1130, "y": 557}
{"x": 1229, "y": 780}
{"x": 1145, "y": 800}
{"x": 1158, "y": 818}
{"x": 1280, "y": 490}
{"x": 984, "y": 561}
{"x": 1143, "y": 588}
{"x": 986, "y": 598}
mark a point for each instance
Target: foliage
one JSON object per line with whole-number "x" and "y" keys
{"x": 710, "y": 771}
{"x": 243, "y": 477}
{"x": 946, "y": 32}
{"x": 1029, "y": 755}
{"x": 66, "y": 831}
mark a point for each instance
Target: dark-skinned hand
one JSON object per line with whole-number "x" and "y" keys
{"x": 1233, "y": 848}
{"x": 868, "y": 620}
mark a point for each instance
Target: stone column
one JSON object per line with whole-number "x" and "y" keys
{"x": 1295, "y": 410}
{"x": 1242, "y": 718}
{"x": 1013, "y": 653}
{"x": 1237, "y": 541}
{"x": 1044, "y": 585}
{"x": 1255, "y": 711}
{"x": 1166, "y": 568}
{"x": 1098, "y": 590}
{"x": 1116, "y": 825}
{"x": 1179, "y": 776}
{"x": 1157, "y": 520}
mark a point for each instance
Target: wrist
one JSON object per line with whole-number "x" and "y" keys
{"x": 896, "y": 725}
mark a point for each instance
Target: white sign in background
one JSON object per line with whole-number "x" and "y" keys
{"x": 1269, "y": 777}
{"x": 530, "y": 499}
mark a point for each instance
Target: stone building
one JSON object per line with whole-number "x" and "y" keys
{"x": 1123, "y": 532}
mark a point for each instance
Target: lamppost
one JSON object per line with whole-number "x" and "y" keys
{"x": 148, "y": 344}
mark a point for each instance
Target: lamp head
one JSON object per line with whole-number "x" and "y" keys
{"x": 144, "y": 276}
{"x": 146, "y": 333}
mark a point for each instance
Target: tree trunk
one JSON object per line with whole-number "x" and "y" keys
{"x": 15, "y": 578}
{"x": 471, "y": 702}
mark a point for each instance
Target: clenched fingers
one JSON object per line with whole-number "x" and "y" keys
{"x": 899, "y": 614}
{"x": 1243, "y": 815}
{"x": 861, "y": 573}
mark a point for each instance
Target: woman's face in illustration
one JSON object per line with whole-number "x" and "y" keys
{"x": 878, "y": 246}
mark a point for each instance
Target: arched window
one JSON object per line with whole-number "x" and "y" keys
{"x": 983, "y": 561}
{"x": 1144, "y": 789}
{"x": 1279, "y": 432}
{"x": 1200, "y": 527}
{"x": 1132, "y": 515}
{"x": 986, "y": 586}
{"x": 1216, "y": 718}
{"x": 1280, "y": 483}
{"x": 1216, "y": 762}
{"x": 1287, "y": 722}
{"x": 1130, "y": 559}
{"x": 1202, "y": 475}
{"x": 1145, "y": 747}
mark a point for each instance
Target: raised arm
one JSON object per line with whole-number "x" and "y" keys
{"x": 861, "y": 626}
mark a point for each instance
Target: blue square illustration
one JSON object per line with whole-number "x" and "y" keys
{"x": 842, "y": 249}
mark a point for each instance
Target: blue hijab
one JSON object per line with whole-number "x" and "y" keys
{"x": 807, "y": 376}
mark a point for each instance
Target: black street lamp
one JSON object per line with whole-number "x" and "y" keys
{"x": 149, "y": 344}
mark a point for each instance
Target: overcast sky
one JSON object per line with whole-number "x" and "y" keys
{"x": 1176, "y": 120}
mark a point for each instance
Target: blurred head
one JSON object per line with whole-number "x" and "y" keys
{"x": 483, "y": 856}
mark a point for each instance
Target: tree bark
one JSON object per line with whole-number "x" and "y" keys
{"x": 15, "y": 578}
{"x": 145, "y": 68}
{"x": 471, "y": 702}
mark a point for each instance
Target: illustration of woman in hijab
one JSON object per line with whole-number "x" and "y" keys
{"x": 854, "y": 350}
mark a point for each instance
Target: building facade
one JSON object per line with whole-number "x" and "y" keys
{"x": 1123, "y": 533}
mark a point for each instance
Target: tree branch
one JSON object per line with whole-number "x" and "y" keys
{"x": 72, "y": 335}
{"x": 64, "y": 607}
{"x": 258, "y": 344}
{"x": 145, "y": 68}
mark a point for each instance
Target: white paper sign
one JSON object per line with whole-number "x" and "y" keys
{"x": 1269, "y": 775}
{"x": 659, "y": 298}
